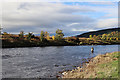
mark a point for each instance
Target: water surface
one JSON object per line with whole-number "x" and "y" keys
{"x": 45, "y": 62}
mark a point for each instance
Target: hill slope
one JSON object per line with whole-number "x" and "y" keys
{"x": 99, "y": 32}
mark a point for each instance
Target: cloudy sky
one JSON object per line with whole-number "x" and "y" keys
{"x": 72, "y": 17}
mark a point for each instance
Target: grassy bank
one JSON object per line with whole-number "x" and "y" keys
{"x": 101, "y": 66}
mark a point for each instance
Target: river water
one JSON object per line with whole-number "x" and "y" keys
{"x": 46, "y": 62}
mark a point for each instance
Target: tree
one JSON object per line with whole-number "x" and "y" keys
{"x": 53, "y": 37}
{"x": 29, "y": 36}
{"x": 108, "y": 37}
{"x": 103, "y": 37}
{"x": 21, "y": 35}
{"x": 5, "y": 33}
{"x": 59, "y": 35}
{"x": 42, "y": 36}
{"x": 94, "y": 37}
{"x": 117, "y": 39}
{"x": 98, "y": 37}
{"x": 90, "y": 36}
{"x": 46, "y": 35}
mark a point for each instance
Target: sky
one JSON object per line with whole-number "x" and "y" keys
{"x": 72, "y": 17}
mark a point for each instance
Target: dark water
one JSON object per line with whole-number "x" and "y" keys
{"x": 46, "y": 61}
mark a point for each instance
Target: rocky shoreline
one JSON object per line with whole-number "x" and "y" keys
{"x": 101, "y": 66}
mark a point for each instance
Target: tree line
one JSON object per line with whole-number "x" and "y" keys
{"x": 58, "y": 39}
{"x": 108, "y": 36}
{"x": 43, "y": 35}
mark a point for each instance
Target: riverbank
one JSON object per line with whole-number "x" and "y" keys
{"x": 101, "y": 66}
{"x": 27, "y": 43}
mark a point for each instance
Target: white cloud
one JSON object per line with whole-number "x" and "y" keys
{"x": 82, "y": 29}
{"x": 41, "y": 16}
{"x": 35, "y": 17}
{"x": 72, "y": 24}
{"x": 0, "y": 13}
{"x": 61, "y": 0}
{"x": 108, "y": 23}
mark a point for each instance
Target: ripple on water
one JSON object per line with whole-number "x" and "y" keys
{"x": 47, "y": 61}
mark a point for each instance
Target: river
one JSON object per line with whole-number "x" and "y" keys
{"x": 46, "y": 62}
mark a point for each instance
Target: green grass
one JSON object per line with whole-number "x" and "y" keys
{"x": 115, "y": 54}
{"x": 109, "y": 70}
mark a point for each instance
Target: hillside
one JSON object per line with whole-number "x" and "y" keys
{"x": 99, "y": 32}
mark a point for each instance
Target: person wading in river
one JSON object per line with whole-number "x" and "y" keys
{"x": 92, "y": 50}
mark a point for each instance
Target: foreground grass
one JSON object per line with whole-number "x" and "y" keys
{"x": 101, "y": 66}
{"x": 109, "y": 69}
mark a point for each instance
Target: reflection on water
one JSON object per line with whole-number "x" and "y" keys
{"x": 46, "y": 62}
